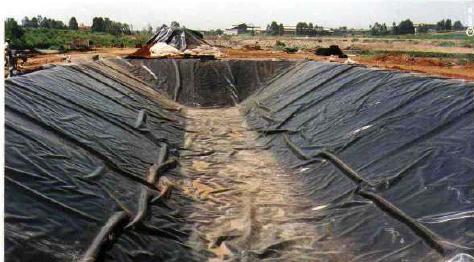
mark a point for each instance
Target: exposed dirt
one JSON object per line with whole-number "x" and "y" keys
{"x": 432, "y": 66}
{"x": 254, "y": 209}
{"x": 373, "y": 44}
{"x": 266, "y": 54}
{"x": 36, "y": 61}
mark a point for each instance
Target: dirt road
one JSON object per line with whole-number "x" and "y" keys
{"x": 249, "y": 207}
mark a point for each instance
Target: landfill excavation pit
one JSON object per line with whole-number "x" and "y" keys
{"x": 237, "y": 160}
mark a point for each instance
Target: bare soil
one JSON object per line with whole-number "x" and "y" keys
{"x": 432, "y": 66}
{"x": 36, "y": 61}
{"x": 354, "y": 43}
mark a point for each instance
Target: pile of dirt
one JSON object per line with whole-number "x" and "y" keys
{"x": 410, "y": 60}
{"x": 332, "y": 50}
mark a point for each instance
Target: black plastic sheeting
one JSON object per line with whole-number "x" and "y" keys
{"x": 180, "y": 38}
{"x": 387, "y": 157}
{"x": 81, "y": 141}
{"x": 194, "y": 82}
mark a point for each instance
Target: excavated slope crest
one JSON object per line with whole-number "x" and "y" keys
{"x": 324, "y": 162}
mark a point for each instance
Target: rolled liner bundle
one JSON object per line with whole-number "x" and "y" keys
{"x": 80, "y": 143}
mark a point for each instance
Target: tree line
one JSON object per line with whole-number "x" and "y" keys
{"x": 275, "y": 29}
{"x": 304, "y": 28}
{"x": 99, "y": 24}
{"x": 43, "y": 22}
{"x": 403, "y": 27}
{"x": 105, "y": 25}
{"x": 34, "y": 32}
{"x": 407, "y": 27}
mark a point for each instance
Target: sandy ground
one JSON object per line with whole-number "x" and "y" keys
{"x": 35, "y": 62}
{"x": 354, "y": 43}
{"x": 255, "y": 212}
{"x": 244, "y": 47}
{"x": 430, "y": 66}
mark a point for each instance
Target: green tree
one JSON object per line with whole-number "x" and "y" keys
{"x": 379, "y": 29}
{"x": 34, "y": 22}
{"x": 14, "y": 33}
{"x": 107, "y": 25}
{"x": 281, "y": 29}
{"x": 45, "y": 22}
{"x": 394, "y": 29}
{"x": 406, "y": 27}
{"x": 448, "y": 25}
{"x": 441, "y": 25}
{"x": 302, "y": 28}
{"x": 73, "y": 24}
{"x": 126, "y": 29}
{"x": 273, "y": 28}
{"x": 458, "y": 26}
{"x": 98, "y": 24}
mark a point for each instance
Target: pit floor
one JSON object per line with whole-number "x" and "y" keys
{"x": 248, "y": 208}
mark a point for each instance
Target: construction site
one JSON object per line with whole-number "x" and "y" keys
{"x": 187, "y": 149}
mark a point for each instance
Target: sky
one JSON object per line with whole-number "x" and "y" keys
{"x": 213, "y": 14}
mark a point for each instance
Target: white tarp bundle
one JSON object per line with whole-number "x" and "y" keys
{"x": 163, "y": 50}
{"x": 202, "y": 50}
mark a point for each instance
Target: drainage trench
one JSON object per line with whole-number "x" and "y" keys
{"x": 247, "y": 206}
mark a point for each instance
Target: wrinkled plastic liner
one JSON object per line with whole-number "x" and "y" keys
{"x": 86, "y": 147}
{"x": 388, "y": 155}
{"x": 92, "y": 151}
{"x": 194, "y": 82}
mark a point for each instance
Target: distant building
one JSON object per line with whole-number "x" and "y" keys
{"x": 319, "y": 30}
{"x": 289, "y": 30}
{"x": 231, "y": 31}
{"x": 424, "y": 28}
{"x": 83, "y": 27}
{"x": 242, "y": 28}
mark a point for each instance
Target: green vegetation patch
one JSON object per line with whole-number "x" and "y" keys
{"x": 44, "y": 38}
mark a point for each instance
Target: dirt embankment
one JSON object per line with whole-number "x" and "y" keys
{"x": 36, "y": 61}
{"x": 444, "y": 67}
{"x": 431, "y": 66}
{"x": 414, "y": 55}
